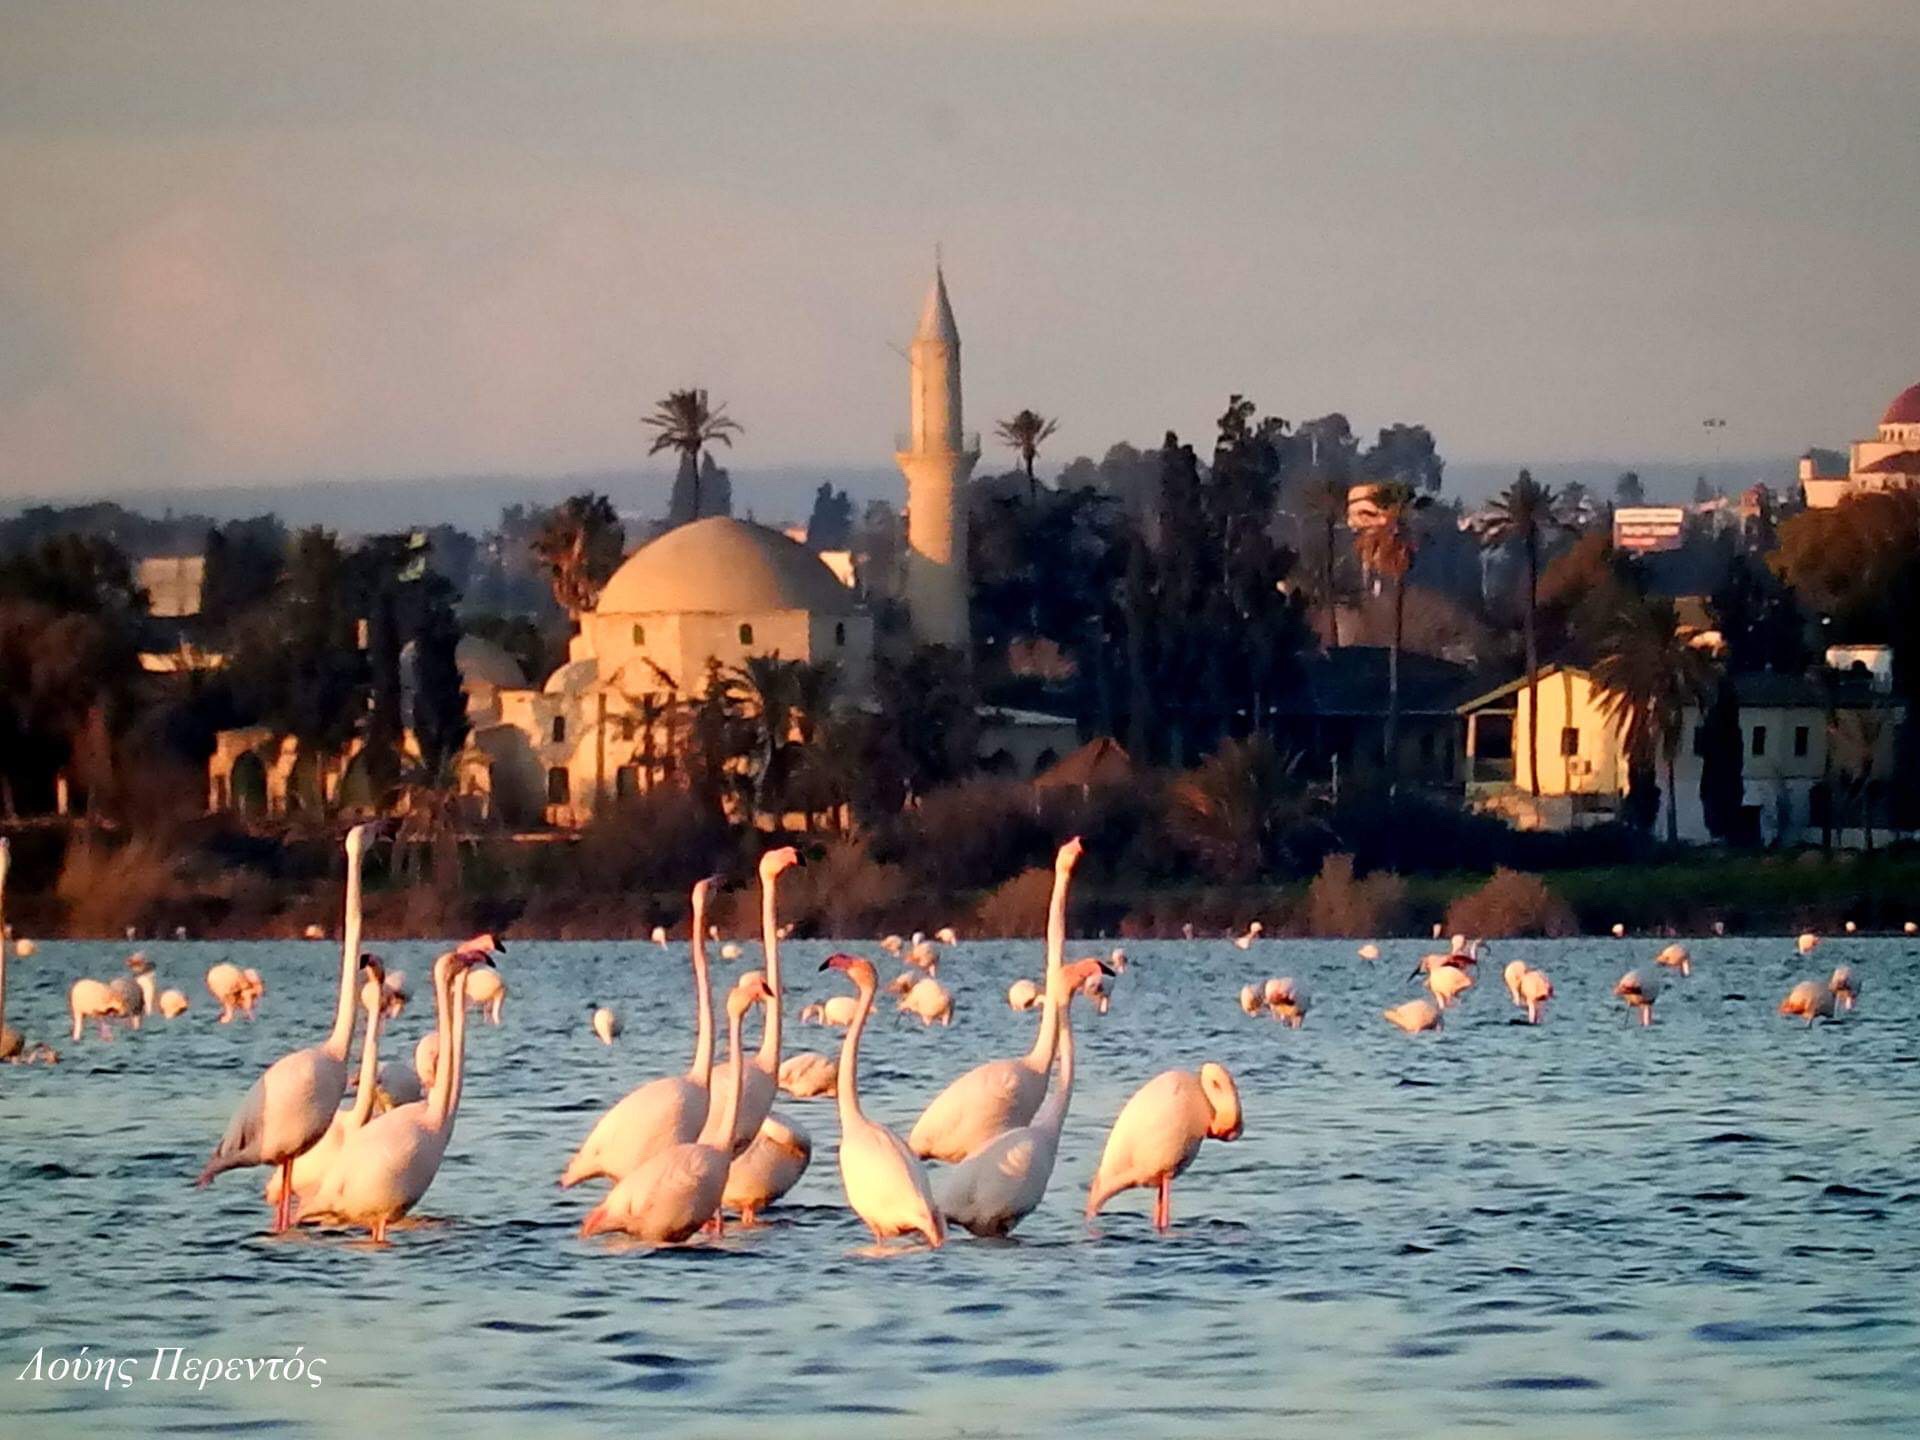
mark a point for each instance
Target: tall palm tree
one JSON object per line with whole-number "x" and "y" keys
{"x": 1324, "y": 499}
{"x": 1387, "y": 547}
{"x": 1647, "y": 676}
{"x": 1026, "y": 432}
{"x": 1525, "y": 514}
{"x": 685, "y": 422}
{"x": 579, "y": 542}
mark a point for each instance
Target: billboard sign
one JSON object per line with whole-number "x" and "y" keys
{"x": 1642, "y": 528}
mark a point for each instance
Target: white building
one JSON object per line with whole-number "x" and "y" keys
{"x": 1891, "y": 460}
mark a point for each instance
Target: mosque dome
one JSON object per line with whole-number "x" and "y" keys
{"x": 481, "y": 662}
{"x": 724, "y": 566}
{"x": 1905, "y": 409}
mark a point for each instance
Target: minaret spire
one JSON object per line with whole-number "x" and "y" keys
{"x": 937, "y": 459}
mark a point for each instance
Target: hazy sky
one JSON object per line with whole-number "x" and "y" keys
{"x": 251, "y": 240}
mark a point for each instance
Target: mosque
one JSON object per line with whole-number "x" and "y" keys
{"x": 1889, "y": 461}
{"x": 714, "y": 591}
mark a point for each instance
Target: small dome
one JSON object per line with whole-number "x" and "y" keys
{"x": 481, "y": 662}
{"x": 727, "y": 567}
{"x": 1905, "y": 409}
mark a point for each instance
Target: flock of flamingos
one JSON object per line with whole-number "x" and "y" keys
{"x": 683, "y": 1150}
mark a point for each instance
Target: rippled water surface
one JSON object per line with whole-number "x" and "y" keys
{"x": 1708, "y": 1228}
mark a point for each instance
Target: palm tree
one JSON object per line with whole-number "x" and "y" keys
{"x": 1525, "y": 513}
{"x": 580, "y": 542}
{"x": 1324, "y": 499}
{"x": 1647, "y": 676}
{"x": 1387, "y": 547}
{"x": 684, "y": 421}
{"x": 1025, "y": 433}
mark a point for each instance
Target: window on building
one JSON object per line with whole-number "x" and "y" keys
{"x": 626, "y": 782}
{"x": 1760, "y": 740}
{"x": 746, "y": 634}
{"x": 559, "y": 788}
{"x": 840, "y": 632}
{"x": 639, "y": 634}
{"x": 1802, "y": 741}
{"x": 559, "y": 729}
{"x": 1569, "y": 740}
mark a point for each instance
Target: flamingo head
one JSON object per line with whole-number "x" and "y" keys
{"x": 1117, "y": 960}
{"x": 139, "y": 964}
{"x": 774, "y": 862}
{"x": 751, "y": 991}
{"x": 373, "y": 968}
{"x": 360, "y": 840}
{"x": 1223, "y": 1099}
{"x": 857, "y": 970}
{"x": 1068, "y": 856}
{"x": 704, "y": 890}
{"x": 485, "y": 943}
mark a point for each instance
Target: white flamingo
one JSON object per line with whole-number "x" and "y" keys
{"x": 1001, "y": 1094}
{"x": 1807, "y": 943}
{"x": 387, "y": 1165}
{"x": 1369, "y": 951}
{"x": 1415, "y": 1016}
{"x": 1845, "y": 987}
{"x": 930, "y": 1001}
{"x": 173, "y": 1003}
{"x": 1251, "y": 999}
{"x": 836, "y": 1011}
{"x": 679, "y": 1189}
{"x": 1675, "y": 957}
{"x": 605, "y": 1021}
{"x": 1535, "y": 990}
{"x": 98, "y": 1002}
{"x": 1159, "y": 1132}
{"x": 665, "y": 1112}
{"x": 768, "y": 1168}
{"x": 310, "y": 1166}
{"x": 762, "y": 1082}
{"x": 999, "y": 1185}
{"x": 885, "y": 1185}
{"x": 1448, "y": 983}
{"x": 227, "y": 984}
{"x": 147, "y": 982}
{"x": 1288, "y": 1000}
{"x": 1640, "y": 991}
{"x": 660, "y": 936}
{"x": 808, "y": 1074}
{"x": 293, "y": 1103}
{"x": 1023, "y": 994}
{"x": 487, "y": 992}
{"x": 1516, "y": 969}
{"x": 1253, "y": 933}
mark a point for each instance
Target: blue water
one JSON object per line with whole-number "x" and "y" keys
{"x": 1708, "y": 1228}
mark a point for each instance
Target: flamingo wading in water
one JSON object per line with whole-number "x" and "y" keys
{"x": 1159, "y": 1132}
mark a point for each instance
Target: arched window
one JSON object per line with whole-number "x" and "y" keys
{"x": 559, "y": 788}
{"x": 559, "y": 729}
{"x": 746, "y": 634}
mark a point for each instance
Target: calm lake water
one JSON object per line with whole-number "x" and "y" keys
{"x": 1708, "y": 1228}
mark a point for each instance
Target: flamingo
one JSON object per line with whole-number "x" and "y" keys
{"x": 1287, "y": 998}
{"x": 1640, "y": 992}
{"x": 387, "y": 1165}
{"x": 1369, "y": 951}
{"x": 665, "y": 1112}
{"x": 660, "y": 936}
{"x": 759, "y": 1085}
{"x": 809, "y": 1074}
{"x": 394, "y": 994}
{"x": 92, "y": 1000}
{"x": 13, "y": 1045}
{"x": 1117, "y": 960}
{"x": 1250, "y": 999}
{"x": 1254, "y": 932}
{"x": 1159, "y": 1132}
{"x": 1619, "y": 930}
{"x": 487, "y": 992}
{"x": 141, "y": 969}
{"x": 311, "y": 1165}
{"x": 836, "y": 1011}
{"x": 998, "y": 1186}
{"x": 923, "y": 953}
{"x": 1808, "y": 942}
{"x": 1675, "y": 957}
{"x": 1852, "y": 928}
{"x": 1516, "y": 969}
{"x": 133, "y": 998}
{"x": 227, "y": 984}
{"x": 768, "y": 1168}
{"x": 1912, "y": 927}
{"x": 293, "y": 1103}
{"x": 605, "y": 1022}
{"x": 253, "y": 989}
{"x": 1094, "y": 987}
{"x": 885, "y": 1185}
{"x": 404, "y": 1084}
{"x": 1415, "y": 1016}
{"x": 930, "y": 1000}
{"x": 947, "y": 935}
{"x": 731, "y": 951}
{"x": 173, "y": 1003}
{"x": 1812, "y": 999}
{"x": 679, "y": 1189}
{"x": 1023, "y": 994}
{"x": 1846, "y": 989}
{"x": 1001, "y": 1094}
{"x": 1535, "y": 990}
{"x": 903, "y": 983}
{"x": 1448, "y": 983}
{"x": 892, "y": 944}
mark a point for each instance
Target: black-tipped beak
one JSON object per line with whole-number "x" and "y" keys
{"x": 1416, "y": 973}
{"x": 1107, "y": 969}
{"x": 826, "y": 964}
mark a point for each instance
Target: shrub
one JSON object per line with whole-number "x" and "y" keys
{"x": 661, "y": 840}
{"x": 1246, "y": 810}
{"x": 1017, "y": 908}
{"x": 844, "y": 892}
{"x": 1512, "y": 904}
{"x": 1337, "y": 904}
{"x": 968, "y": 836}
{"x": 105, "y": 890}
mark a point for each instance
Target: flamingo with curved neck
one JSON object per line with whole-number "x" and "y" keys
{"x": 886, "y": 1186}
{"x": 680, "y": 1189}
{"x": 762, "y": 1082}
{"x": 662, "y": 1113}
{"x": 1002, "y": 1095}
{"x": 310, "y": 1167}
{"x": 290, "y": 1107}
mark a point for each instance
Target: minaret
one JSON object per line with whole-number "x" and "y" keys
{"x": 937, "y": 460}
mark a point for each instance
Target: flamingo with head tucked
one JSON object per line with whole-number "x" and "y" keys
{"x": 293, "y": 1103}
{"x": 768, "y": 1168}
{"x": 665, "y": 1112}
{"x": 1811, "y": 1000}
{"x": 679, "y": 1189}
{"x": 1845, "y": 986}
{"x": 1640, "y": 991}
{"x": 1414, "y": 1016}
{"x": 808, "y": 1074}
{"x": 885, "y": 1184}
{"x": 1001, "y": 1094}
{"x": 998, "y": 1186}
{"x": 1675, "y": 957}
{"x": 1159, "y": 1132}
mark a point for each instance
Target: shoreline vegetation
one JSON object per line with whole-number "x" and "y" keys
{"x": 76, "y": 883}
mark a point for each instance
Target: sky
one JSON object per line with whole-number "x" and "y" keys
{"x": 248, "y": 242}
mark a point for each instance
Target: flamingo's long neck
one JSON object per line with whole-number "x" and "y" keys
{"x": 849, "y": 1083}
{"x": 5, "y": 860}
{"x": 443, "y": 1025}
{"x": 717, "y": 1133}
{"x": 341, "y": 1040}
{"x": 702, "y": 1067}
{"x": 1053, "y": 1113}
{"x": 369, "y": 1065}
{"x": 1040, "y": 1058}
{"x": 457, "y": 1062}
{"x": 769, "y": 1057}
